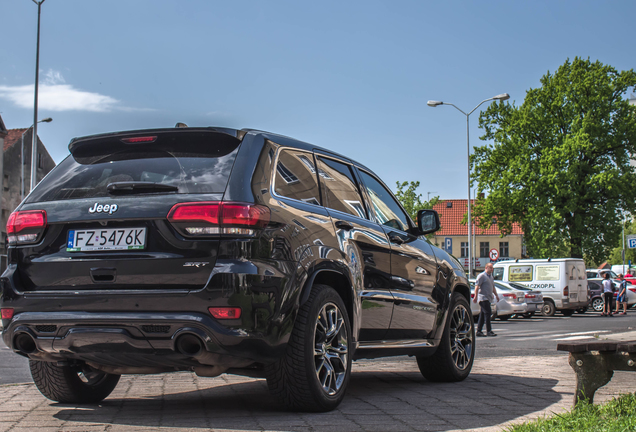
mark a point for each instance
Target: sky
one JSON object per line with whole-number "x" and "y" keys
{"x": 353, "y": 77}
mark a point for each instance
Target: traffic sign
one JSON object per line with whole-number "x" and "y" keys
{"x": 631, "y": 241}
{"x": 494, "y": 254}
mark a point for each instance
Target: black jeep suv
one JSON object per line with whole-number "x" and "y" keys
{"x": 216, "y": 251}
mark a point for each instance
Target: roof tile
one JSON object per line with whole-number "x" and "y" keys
{"x": 451, "y": 218}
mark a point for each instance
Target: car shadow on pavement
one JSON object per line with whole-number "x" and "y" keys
{"x": 398, "y": 400}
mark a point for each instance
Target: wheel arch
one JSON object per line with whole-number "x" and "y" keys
{"x": 336, "y": 280}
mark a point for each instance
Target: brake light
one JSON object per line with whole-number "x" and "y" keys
{"x": 25, "y": 227}
{"x": 210, "y": 218}
{"x": 138, "y": 140}
{"x": 225, "y": 312}
{"x": 530, "y": 296}
{"x": 472, "y": 296}
{"x": 7, "y": 313}
{"x": 632, "y": 290}
{"x": 566, "y": 292}
{"x": 510, "y": 296}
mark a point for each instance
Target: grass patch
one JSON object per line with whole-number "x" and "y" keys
{"x": 617, "y": 415}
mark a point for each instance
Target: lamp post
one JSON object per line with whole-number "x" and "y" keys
{"x": 501, "y": 97}
{"x": 46, "y": 120}
{"x": 34, "y": 146}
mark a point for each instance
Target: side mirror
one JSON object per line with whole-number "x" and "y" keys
{"x": 428, "y": 221}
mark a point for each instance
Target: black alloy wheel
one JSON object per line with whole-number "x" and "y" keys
{"x": 453, "y": 359}
{"x": 77, "y": 384}
{"x": 314, "y": 372}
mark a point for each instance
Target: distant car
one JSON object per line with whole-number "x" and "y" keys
{"x": 596, "y": 295}
{"x": 631, "y": 294}
{"x": 511, "y": 301}
{"x": 534, "y": 298}
{"x": 476, "y": 309}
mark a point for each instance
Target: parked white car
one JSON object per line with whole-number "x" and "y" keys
{"x": 534, "y": 298}
{"x": 511, "y": 301}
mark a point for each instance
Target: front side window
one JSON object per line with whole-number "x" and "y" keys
{"x": 296, "y": 176}
{"x": 497, "y": 273}
{"x": 339, "y": 189}
{"x": 386, "y": 208}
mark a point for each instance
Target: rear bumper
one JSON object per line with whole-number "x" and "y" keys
{"x": 140, "y": 340}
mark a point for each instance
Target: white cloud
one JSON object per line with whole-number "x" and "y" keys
{"x": 58, "y": 97}
{"x": 52, "y": 77}
{"x": 55, "y": 95}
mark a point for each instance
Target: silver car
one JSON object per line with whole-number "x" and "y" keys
{"x": 534, "y": 298}
{"x": 511, "y": 301}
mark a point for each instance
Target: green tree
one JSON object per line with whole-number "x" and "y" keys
{"x": 616, "y": 256}
{"x": 412, "y": 201}
{"x": 559, "y": 164}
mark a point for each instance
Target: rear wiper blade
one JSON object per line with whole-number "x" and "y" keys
{"x": 139, "y": 187}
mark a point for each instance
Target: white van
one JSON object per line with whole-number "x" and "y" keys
{"x": 563, "y": 281}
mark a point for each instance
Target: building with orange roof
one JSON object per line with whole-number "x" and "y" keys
{"x": 11, "y": 162}
{"x": 453, "y": 237}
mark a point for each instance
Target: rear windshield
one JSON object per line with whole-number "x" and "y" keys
{"x": 192, "y": 164}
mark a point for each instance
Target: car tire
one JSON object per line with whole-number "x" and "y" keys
{"x": 68, "y": 384}
{"x": 581, "y": 310}
{"x": 597, "y": 304}
{"x": 453, "y": 359}
{"x": 548, "y": 308}
{"x": 568, "y": 312}
{"x": 528, "y": 314}
{"x": 505, "y": 317}
{"x": 315, "y": 369}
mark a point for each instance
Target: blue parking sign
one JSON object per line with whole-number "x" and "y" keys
{"x": 448, "y": 245}
{"x": 631, "y": 243}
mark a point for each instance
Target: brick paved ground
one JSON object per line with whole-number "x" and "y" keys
{"x": 383, "y": 396}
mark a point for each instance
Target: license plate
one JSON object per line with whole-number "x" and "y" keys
{"x": 106, "y": 239}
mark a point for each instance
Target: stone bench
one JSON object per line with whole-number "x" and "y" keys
{"x": 595, "y": 362}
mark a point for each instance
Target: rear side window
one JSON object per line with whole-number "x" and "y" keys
{"x": 339, "y": 188}
{"x": 188, "y": 163}
{"x": 296, "y": 176}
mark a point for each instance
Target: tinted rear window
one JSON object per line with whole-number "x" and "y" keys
{"x": 193, "y": 163}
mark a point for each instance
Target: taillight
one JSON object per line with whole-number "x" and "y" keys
{"x": 566, "y": 292}
{"x": 139, "y": 140}
{"x": 7, "y": 313}
{"x": 530, "y": 296}
{"x": 211, "y": 218}
{"x": 225, "y": 312}
{"x": 514, "y": 296}
{"x": 24, "y": 227}
{"x": 472, "y": 296}
{"x": 632, "y": 290}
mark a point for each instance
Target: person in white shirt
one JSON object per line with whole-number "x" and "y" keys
{"x": 608, "y": 294}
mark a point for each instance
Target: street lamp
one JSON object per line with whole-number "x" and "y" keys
{"x": 46, "y": 120}
{"x": 34, "y": 146}
{"x": 501, "y": 97}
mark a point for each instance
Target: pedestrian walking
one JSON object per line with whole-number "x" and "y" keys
{"x": 621, "y": 299}
{"x": 608, "y": 294}
{"x": 485, "y": 293}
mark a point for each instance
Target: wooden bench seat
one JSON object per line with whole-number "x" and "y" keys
{"x": 595, "y": 362}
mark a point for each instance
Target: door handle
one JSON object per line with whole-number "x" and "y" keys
{"x": 396, "y": 238}
{"x": 344, "y": 225}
